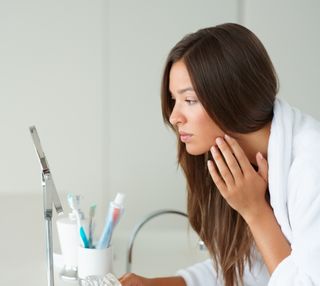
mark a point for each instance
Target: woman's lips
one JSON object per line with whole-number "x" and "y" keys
{"x": 185, "y": 137}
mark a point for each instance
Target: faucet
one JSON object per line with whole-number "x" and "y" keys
{"x": 142, "y": 223}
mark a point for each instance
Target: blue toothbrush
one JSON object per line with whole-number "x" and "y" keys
{"x": 74, "y": 202}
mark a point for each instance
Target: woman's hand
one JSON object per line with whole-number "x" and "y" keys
{"x": 244, "y": 189}
{"x": 241, "y": 186}
{"x": 131, "y": 279}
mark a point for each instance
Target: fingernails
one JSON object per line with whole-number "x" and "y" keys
{"x": 219, "y": 141}
{"x": 213, "y": 150}
{"x": 260, "y": 156}
{"x": 226, "y": 136}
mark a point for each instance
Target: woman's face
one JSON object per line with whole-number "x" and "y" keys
{"x": 197, "y": 130}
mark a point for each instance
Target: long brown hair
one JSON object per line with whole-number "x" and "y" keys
{"x": 236, "y": 83}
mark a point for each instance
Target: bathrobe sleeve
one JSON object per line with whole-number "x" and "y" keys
{"x": 302, "y": 266}
{"x": 200, "y": 274}
{"x": 204, "y": 274}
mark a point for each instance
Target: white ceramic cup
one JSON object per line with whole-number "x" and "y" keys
{"x": 93, "y": 261}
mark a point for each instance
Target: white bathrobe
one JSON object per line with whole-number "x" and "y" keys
{"x": 294, "y": 185}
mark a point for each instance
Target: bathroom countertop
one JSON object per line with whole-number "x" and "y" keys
{"x": 23, "y": 255}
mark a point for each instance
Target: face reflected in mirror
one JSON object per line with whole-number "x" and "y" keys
{"x": 196, "y": 129}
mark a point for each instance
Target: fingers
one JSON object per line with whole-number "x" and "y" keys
{"x": 262, "y": 166}
{"x": 225, "y": 173}
{"x": 226, "y": 162}
{"x": 231, "y": 164}
{"x": 241, "y": 157}
{"x": 125, "y": 279}
{"x": 230, "y": 159}
{"x": 219, "y": 182}
{"x": 131, "y": 279}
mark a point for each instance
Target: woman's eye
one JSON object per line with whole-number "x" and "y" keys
{"x": 191, "y": 101}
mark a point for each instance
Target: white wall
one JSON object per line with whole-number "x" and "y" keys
{"x": 52, "y": 75}
{"x": 141, "y": 150}
{"x": 290, "y": 31}
{"x": 87, "y": 74}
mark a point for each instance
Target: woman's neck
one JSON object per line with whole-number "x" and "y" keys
{"x": 255, "y": 142}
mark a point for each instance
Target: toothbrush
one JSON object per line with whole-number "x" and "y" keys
{"x": 92, "y": 211}
{"x": 74, "y": 203}
{"x": 114, "y": 214}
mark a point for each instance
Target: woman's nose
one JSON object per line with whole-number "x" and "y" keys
{"x": 176, "y": 117}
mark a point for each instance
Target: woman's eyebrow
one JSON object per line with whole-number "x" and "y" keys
{"x": 180, "y": 91}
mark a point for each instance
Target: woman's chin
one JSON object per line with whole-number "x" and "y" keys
{"x": 191, "y": 150}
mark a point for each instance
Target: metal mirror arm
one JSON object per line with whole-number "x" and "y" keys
{"x": 50, "y": 197}
{"x": 50, "y": 194}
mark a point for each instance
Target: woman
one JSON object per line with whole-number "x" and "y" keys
{"x": 251, "y": 163}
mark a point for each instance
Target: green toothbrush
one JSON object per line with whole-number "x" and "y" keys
{"x": 92, "y": 211}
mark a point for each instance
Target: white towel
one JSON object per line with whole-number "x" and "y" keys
{"x": 294, "y": 185}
